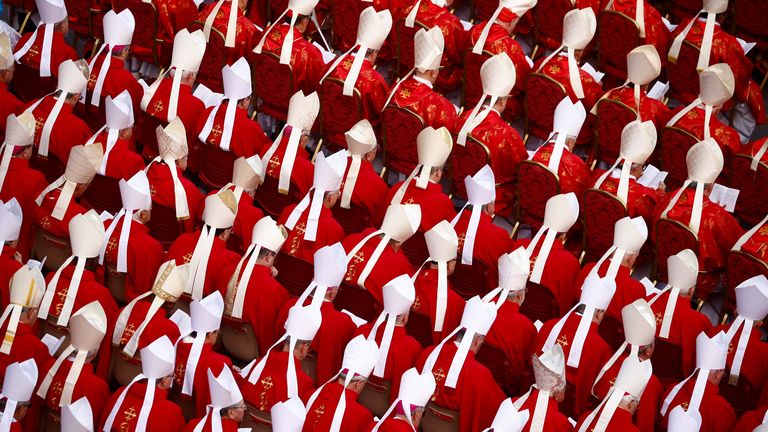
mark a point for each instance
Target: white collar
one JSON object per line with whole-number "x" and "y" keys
{"x": 423, "y": 81}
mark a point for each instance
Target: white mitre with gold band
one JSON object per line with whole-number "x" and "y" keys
{"x": 361, "y": 140}
{"x": 27, "y": 289}
{"x": 638, "y": 140}
{"x": 19, "y": 133}
{"x": 172, "y": 145}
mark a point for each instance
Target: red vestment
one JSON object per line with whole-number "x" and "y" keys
{"x": 24, "y": 184}
{"x": 499, "y": 41}
{"x": 390, "y": 264}
{"x": 392, "y": 424}
{"x": 726, "y": 49}
{"x": 306, "y": 62}
{"x": 164, "y": 415}
{"x": 303, "y": 171}
{"x": 686, "y": 325}
{"x": 513, "y": 333}
{"x": 554, "y": 420}
{"x": 370, "y": 190}
{"x": 43, "y": 218}
{"x": 404, "y": 350}
{"x": 328, "y": 232}
{"x": 435, "y": 204}
{"x": 88, "y": 385}
{"x": 717, "y": 415}
{"x": 621, "y": 421}
{"x": 227, "y": 425}
{"x": 336, "y": 330}
{"x": 560, "y": 272}
{"x": 432, "y": 15}
{"x": 320, "y": 414}
{"x": 246, "y": 35}
{"x": 757, "y": 245}
{"x": 161, "y": 188}
{"x": 189, "y": 109}
{"x": 573, "y": 173}
{"x": 182, "y": 249}
{"x": 247, "y": 216}
{"x": 9, "y": 264}
{"x": 726, "y": 136}
{"x": 173, "y": 15}
{"x": 491, "y": 242}
{"x": 755, "y": 357}
{"x": 117, "y": 80}
{"x": 209, "y": 359}
{"x": 122, "y": 161}
{"x": 9, "y": 104}
{"x": 89, "y": 291}
{"x": 426, "y": 300}
{"x": 372, "y": 87}
{"x": 272, "y": 386}
{"x": 650, "y": 108}
{"x": 262, "y": 303}
{"x": 68, "y": 130}
{"x": 433, "y": 108}
{"x": 159, "y": 325}
{"x": 594, "y": 355}
{"x": 247, "y": 137}
{"x": 718, "y": 232}
{"x": 476, "y": 396}
{"x": 656, "y": 33}
{"x": 648, "y": 409}
{"x": 641, "y": 200}
{"x": 26, "y": 345}
{"x": 60, "y": 50}
{"x": 557, "y": 69}
{"x": 506, "y": 150}
{"x": 750, "y": 420}
{"x": 145, "y": 254}
{"x": 627, "y": 289}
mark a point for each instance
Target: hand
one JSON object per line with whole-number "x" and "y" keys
{"x": 274, "y": 272}
{"x": 17, "y": 257}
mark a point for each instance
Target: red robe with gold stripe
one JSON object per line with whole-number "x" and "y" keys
{"x": 491, "y": 242}
{"x": 163, "y": 415}
{"x": 68, "y": 130}
{"x": 433, "y": 108}
{"x": 182, "y": 249}
{"x": 248, "y": 138}
{"x": 145, "y": 255}
{"x": 88, "y": 385}
{"x": 302, "y": 174}
{"x": 272, "y": 386}
{"x": 573, "y": 173}
{"x": 320, "y": 413}
{"x": 328, "y": 232}
{"x": 159, "y": 325}
{"x": 246, "y": 36}
{"x": 717, "y": 415}
{"x": 306, "y": 60}
{"x": 60, "y": 50}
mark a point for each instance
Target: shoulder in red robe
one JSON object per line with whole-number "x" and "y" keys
{"x": 320, "y": 413}
{"x": 163, "y": 415}
{"x": 328, "y": 232}
{"x": 433, "y": 108}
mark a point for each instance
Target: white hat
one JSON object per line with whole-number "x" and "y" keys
{"x": 247, "y": 173}
{"x": 135, "y": 193}
{"x": 639, "y": 323}
{"x": 27, "y": 286}
{"x": 514, "y": 268}
{"x": 11, "y": 218}
{"x": 220, "y": 209}
{"x": 172, "y": 140}
{"x": 428, "y": 48}
{"x": 86, "y": 234}
{"x": 399, "y": 294}
{"x": 224, "y": 389}
{"x": 18, "y": 385}
{"x": 188, "y": 50}
{"x": 330, "y": 268}
{"x": 73, "y": 76}
{"x": 6, "y": 51}
{"x": 508, "y": 418}
{"x": 77, "y": 416}
{"x": 634, "y": 375}
{"x": 329, "y": 171}
{"x": 119, "y": 110}
{"x": 630, "y": 233}
{"x": 711, "y": 353}
{"x": 579, "y": 27}
{"x": 360, "y": 357}
{"x": 442, "y": 242}
{"x": 19, "y": 132}
{"x": 752, "y": 298}
{"x": 716, "y": 84}
{"x": 549, "y": 369}
{"x": 83, "y": 163}
{"x": 569, "y": 117}
{"x": 681, "y": 420}
{"x": 361, "y": 139}
{"x": 481, "y": 190}
{"x": 433, "y": 148}
{"x": 715, "y": 6}
{"x": 237, "y": 80}
{"x": 118, "y": 27}
{"x": 206, "y": 313}
{"x": 643, "y": 64}
{"x": 498, "y": 76}
{"x": 303, "y": 110}
{"x": 373, "y": 28}
{"x": 711, "y": 8}
{"x": 170, "y": 281}
{"x": 682, "y": 272}
{"x": 288, "y": 416}
{"x": 303, "y": 322}
{"x": 597, "y": 292}
{"x": 560, "y": 213}
{"x": 268, "y": 234}
{"x": 51, "y": 11}
{"x": 416, "y": 390}
{"x": 401, "y": 221}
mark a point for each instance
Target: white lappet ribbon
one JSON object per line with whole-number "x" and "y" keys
{"x": 457, "y": 363}
{"x": 696, "y": 210}
{"x": 546, "y": 247}
{"x": 99, "y": 84}
{"x": 313, "y": 218}
{"x": 634, "y": 350}
{"x": 639, "y": 15}
{"x": 11, "y": 316}
{"x": 338, "y": 414}
{"x": 173, "y": 100}
{"x": 374, "y": 256}
{"x": 112, "y": 136}
{"x": 229, "y": 124}
{"x": 540, "y": 409}
{"x": 557, "y": 151}
{"x": 146, "y": 404}
{"x": 133, "y": 343}
{"x": 349, "y": 181}
{"x": 753, "y": 166}
{"x": 606, "y": 409}
{"x": 194, "y": 358}
{"x": 8, "y": 412}
{"x": 198, "y": 264}
{"x": 287, "y": 48}
{"x": 253, "y": 371}
{"x": 229, "y": 40}
{"x": 45, "y": 134}
{"x": 45, "y": 52}
{"x": 241, "y": 284}
{"x": 696, "y": 103}
{"x": 741, "y": 348}
{"x": 573, "y": 70}
{"x": 696, "y": 396}
{"x": 441, "y": 299}
{"x": 706, "y": 41}
{"x": 214, "y": 414}
{"x": 468, "y": 249}
{"x": 574, "y": 355}
{"x": 74, "y": 287}
{"x": 669, "y": 309}
{"x": 65, "y": 197}
{"x": 126, "y": 216}
{"x": 5, "y": 161}
{"x": 622, "y": 191}
{"x": 179, "y": 194}
{"x": 72, "y": 376}
{"x": 289, "y": 157}
{"x": 748, "y": 235}
{"x": 386, "y": 340}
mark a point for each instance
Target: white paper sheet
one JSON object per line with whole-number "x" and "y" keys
{"x": 652, "y": 177}
{"x": 207, "y": 96}
{"x": 724, "y": 196}
{"x": 658, "y": 91}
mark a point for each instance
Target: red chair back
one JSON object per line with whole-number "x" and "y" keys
{"x": 465, "y": 161}
{"x": 358, "y": 301}
{"x": 354, "y": 219}
{"x": 543, "y": 93}
{"x": 214, "y": 59}
{"x": 293, "y": 273}
{"x": 743, "y": 396}
{"x": 338, "y": 113}
{"x": 472, "y": 90}
{"x": 683, "y": 75}
{"x": 747, "y": 17}
{"x": 415, "y": 248}
{"x": 751, "y": 184}
{"x": 617, "y": 36}
{"x": 675, "y": 144}
{"x": 612, "y": 332}
{"x": 273, "y": 83}
{"x": 29, "y": 85}
{"x": 548, "y": 22}
{"x": 103, "y": 194}
{"x": 683, "y": 9}
{"x": 540, "y": 303}
{"x": 740, "y": 266}
{"x": 667, "y": 362}
{"x": 216, "y": 172}
{"x": 271, "y": 200}
{"x": 612, "y": 116}
{"x": 600, "y": 211}
{"x": 79, "y": 14}
{"x": 404, "y": 43}
{"x": 164, "y": 226}
{"x": 535, "y": 185}
{"x": 671, "y": 238}
{"x": 51, "y": 167}
{"x": 146, "y": 135}
{"x": 420, "y": 328}
{"x": 497, "y": 362}
{"x": 345, "y": 17}
{"x": 482, "y": 10}
{"x": 400, "y": 127}
{"x": 470, "y": 280}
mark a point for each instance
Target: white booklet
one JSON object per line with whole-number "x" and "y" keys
{"x": 658, "y": 91}
{"x": 724, "y": 196}
{"x": 597, "y": 75}
{"x": 652, "y": 177}
{"x": 207, "y": 96}
{"x": 327, "y": 55}
{"x": 52, "y": 343}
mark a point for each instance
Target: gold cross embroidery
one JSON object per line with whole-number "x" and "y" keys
{"x": 298, "y": 235}
{"x": 416, "y": 304}
{"x": 319, "y": 411}
{"x": 563, "y": 341}
{"x": 179, "y": 373}
{"x": 152, "y": 191}
{"x": 130, "y": 413}
{"x": 188, "y": 257}
{"x": 357, "y": 259}
{"x": 267, "y": 384}
{"x": 410, "y": 201}
{"x": 112, "y": 244}
{"x": 405, "y": 93}
{"x": 216, "y": 131}
{"x": 157, "y": 107}
{"x": 659, "y": 318}
{"x": 439, "y": 375}
{"x": 347, "y": 64}
{"x": 45, "y": 223}
{"x": 274, "y": 164}
{"x": 462, "y": 237}
{"x": 39, "y": 123}
{"x": 34, "y": 50}
{"x": 730, "y": 348}
{"x": 554, "y": 69}
{"x": 685, "y": 405}
{"x": 128, "y": 332}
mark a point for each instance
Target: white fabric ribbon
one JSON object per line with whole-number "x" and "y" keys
{"x": 706, "y": 42}
{"x": 122, "y": 246}
{"x": 214, "y": 413}
{"x": 634, "y": 351}
{"x": 539, "y": 416}
{"x": 696, "y": 395}
{"x": 5, "y": 161}
{"x": 133, "y": 343}
{"x": 74, "y": 287}
{"x": 741, "y": 348}
{"x": 697, "y": 208}
{"x": 146, "y": 405}
{"x": 622, "y": 191}
{"x": 546, "y": 247}
{"x": 753, "y": 166}
{"x": 748, "y": 235}
{"x": 480, "y": 44}
{"x": 349, "y": 181}
{"x": 99, "y": 84}
{"x": 573, "y": 70}
{"x": 192, "y": 361}
{"x": 228, "y": 126}
{"x": 45, "y": 135}
{"x": 42, "y": 391}
{"x": 45, "y": 52}
{"x": 241, "y": 284}
{"x": 198, "y": 264}
{"x": 669, "y": 309}
{"x": 468, "y": 249}
{"x": 397, "y": 86}
{"x": 11, "y": 316}
{"x": 289, "y": 157}
{"x": 314, "y": 196}
{"x": 374, "y": 258}
{"x": 386, "y": 340}
{"x": 8, "y": 412}
{"x": 229, "y": 41}
{"x": 179, "y": 194}
{"x": 557, "y": 152}
{"x": 397, "y": 198}
{"x": 574, "y": 355}
{"x": 253, "y": 371}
